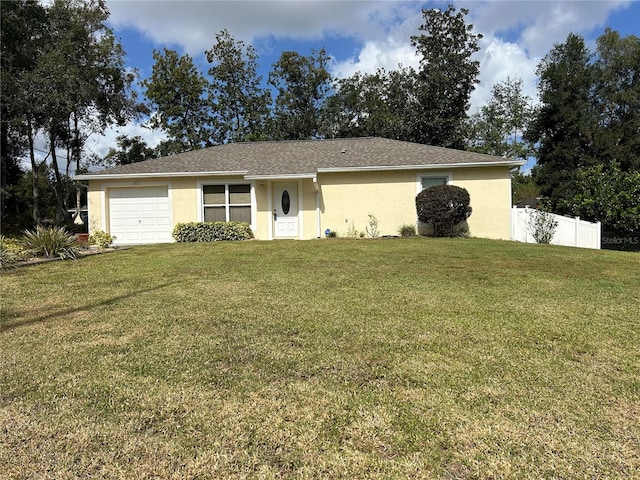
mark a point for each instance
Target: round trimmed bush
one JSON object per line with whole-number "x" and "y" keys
{"x": 443, "y": 207}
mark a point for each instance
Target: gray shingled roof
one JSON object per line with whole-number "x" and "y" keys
{"x": 303, "y": 158}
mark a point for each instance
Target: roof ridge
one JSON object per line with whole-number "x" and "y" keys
{"x": 308, "y": 140}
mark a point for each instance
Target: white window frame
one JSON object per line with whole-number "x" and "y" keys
{"x": 202, "y": 205}
{"x": 420, "y": 176}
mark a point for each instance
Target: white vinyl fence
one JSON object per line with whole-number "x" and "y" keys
{"x": 571, "y": 232}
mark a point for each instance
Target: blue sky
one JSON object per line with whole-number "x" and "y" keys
{"x": 358, "y": 35}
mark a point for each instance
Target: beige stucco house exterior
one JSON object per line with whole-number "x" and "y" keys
{"x": 295, "y": 189}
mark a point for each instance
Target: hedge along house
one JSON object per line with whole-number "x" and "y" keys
{"x": 295, "y": 189}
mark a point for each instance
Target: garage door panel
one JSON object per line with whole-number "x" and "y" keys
{"x": 140, "y": 214}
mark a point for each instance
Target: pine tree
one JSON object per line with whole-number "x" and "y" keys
{"x": 565, "y": 124}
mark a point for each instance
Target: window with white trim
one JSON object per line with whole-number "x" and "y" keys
{"x": 432, "y": 181}
{"x": 227, "y": 203}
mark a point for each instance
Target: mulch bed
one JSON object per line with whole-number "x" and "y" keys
{"x": 83, "y": 253}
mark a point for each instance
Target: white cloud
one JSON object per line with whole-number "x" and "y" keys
{"x": 500, "y": 60}
{"x": 554, "y": 23}
{"x": 193, "y": 24}
{"x": 100, "y": 144}
{"x": 537, "y": 25}
{"x": 377, "y": 54}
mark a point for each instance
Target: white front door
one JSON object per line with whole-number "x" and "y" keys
{"x": 285, "y": 209}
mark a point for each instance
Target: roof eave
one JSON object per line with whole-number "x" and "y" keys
{"x": 124, "y": 176}
{"x": 505, "y": 163}
{"x": 292, "y": 176}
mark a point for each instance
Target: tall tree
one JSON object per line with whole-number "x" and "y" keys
{"x": 617, "y": 99}
{"x": 499, "y": 127}
{"x": 72, "y": 82}
{"x": 240, "y": 104}
{"x": 446, "y": 77}
{"x": 23, "y": 31}
{"x": 302, "y": 84}
{"x": 178, "y": 95}
{"x": 565, "y": 124}
{"x": 81, "y": 83}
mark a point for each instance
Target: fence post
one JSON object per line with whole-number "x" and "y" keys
{"x": 577, "y": 232}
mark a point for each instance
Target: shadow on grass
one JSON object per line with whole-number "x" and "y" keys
{"x": 7, "y": 324}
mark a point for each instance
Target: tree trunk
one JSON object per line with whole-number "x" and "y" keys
{"x": 35, "y": 175}
{"x": 58, "y": 187}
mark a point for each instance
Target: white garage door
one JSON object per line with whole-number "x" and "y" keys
{"x": 140, "y": 215}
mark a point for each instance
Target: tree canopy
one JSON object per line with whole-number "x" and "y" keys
{"x": 499, "y": 126}
{"x": 64, "y": 75}
{"x": 302, "y": 84}
{"x": 587, "y": 125}
{"x": 565, "y": 124}
{"x": 447, "y": 76}
{"x": 177, "y": 93}
{"x": 239, "y": 102}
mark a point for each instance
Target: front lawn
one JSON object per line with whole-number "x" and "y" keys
{"x": 398, "y": 358}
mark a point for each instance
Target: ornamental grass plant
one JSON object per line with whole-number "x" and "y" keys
{"x": 50, "y": 242}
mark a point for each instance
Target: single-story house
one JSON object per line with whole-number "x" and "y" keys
{"x": 295, "y": 189}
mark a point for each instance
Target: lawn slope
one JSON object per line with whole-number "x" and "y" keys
{"x": 416, "y": 358}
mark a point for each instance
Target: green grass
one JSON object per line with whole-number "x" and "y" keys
{"x": 404, "y": 358}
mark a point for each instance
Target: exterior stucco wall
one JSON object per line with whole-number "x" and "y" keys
{"x": 94, "y": 204}
{"x": 344, "y": 200}
{"x": 263, "y": 213}
{"x": 309, "y": 219}
{"x": 184, "y": 196}
{"x": 347, "y": 199}
{"x": 490, "y": 192}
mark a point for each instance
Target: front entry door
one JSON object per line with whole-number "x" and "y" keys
{"x": 285, "y": 209}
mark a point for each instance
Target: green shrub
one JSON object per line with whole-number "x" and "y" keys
{"x": 211, "y": 231}
{"x": 101, "y": 239}
{"x": 443, "y": 207}
{"x": 11, "y": 252}
{"x": 408, "y": 231}
{"x": 50, "y": 242}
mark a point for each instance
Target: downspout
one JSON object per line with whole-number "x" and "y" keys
{"x": 316, "y": 187}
